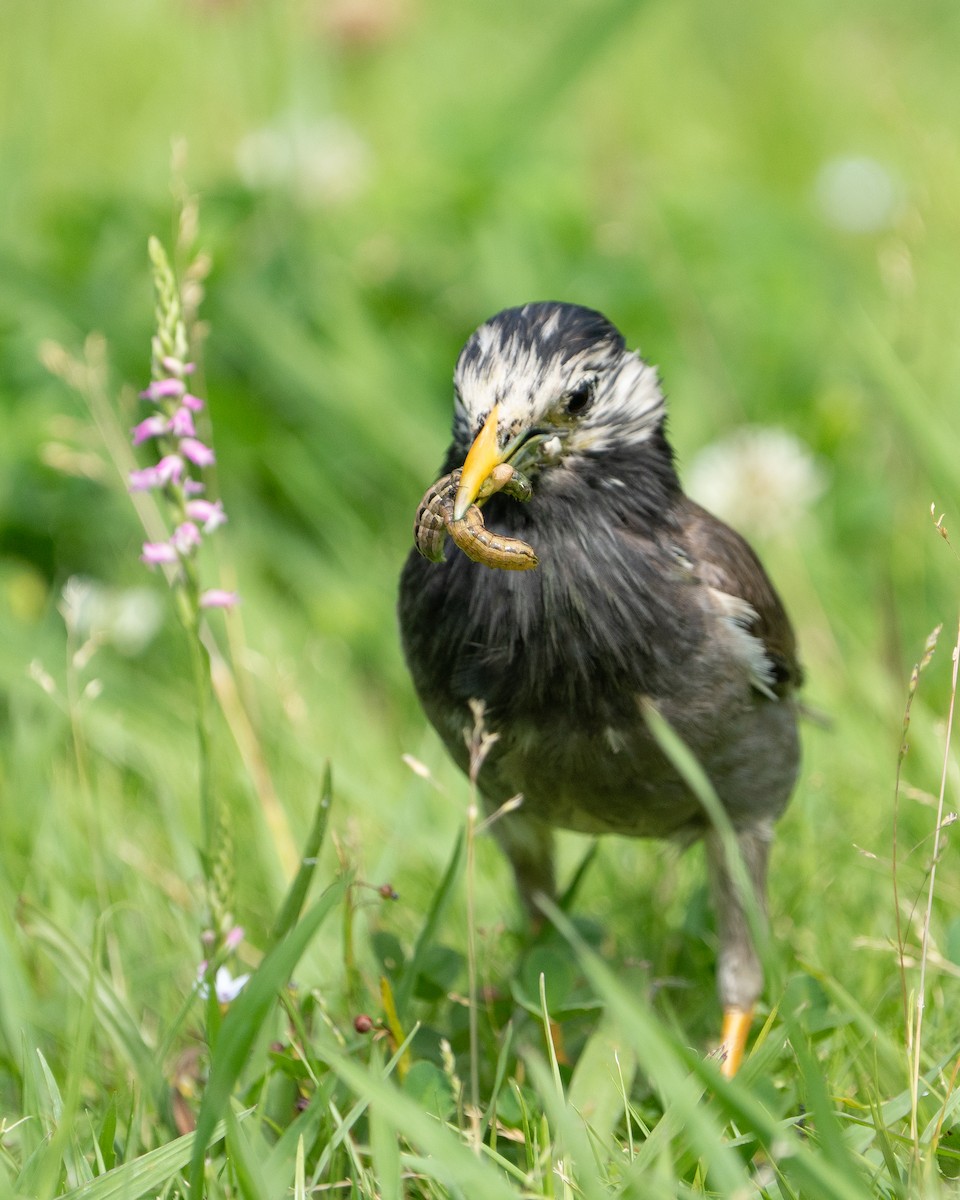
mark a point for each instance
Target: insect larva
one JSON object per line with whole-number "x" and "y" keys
{"x": 433, "y": 516}
{"x": 434, "y": 520}
{"x": 491, "y": 549}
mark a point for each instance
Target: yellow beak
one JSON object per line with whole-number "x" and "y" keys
{"x": 483, "y": 456}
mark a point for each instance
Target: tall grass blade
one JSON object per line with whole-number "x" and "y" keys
{"x": 245, "y": 1163}
{"x": 246, "y": 1016}
{"x": 688, "y": 767}
{"x": 670, "y": 1070}
{"x": 145, "y": 1176}
{"x": 297, "y": 893}
{"x": 428, "y": 933}
{"x": 448, "y": 1160}
{"x": 112, "y": 1015}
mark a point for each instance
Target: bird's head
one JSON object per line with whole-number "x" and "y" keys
{"x": 546, "y": 384}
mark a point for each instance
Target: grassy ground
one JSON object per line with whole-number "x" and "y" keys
{"x": 763, "y": 198}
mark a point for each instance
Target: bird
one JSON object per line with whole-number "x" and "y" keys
{"x": 639, "y": 598}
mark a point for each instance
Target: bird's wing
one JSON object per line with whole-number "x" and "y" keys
{"x": 741, "y": 594}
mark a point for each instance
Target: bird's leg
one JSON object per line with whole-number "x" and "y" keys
{"x": 739, "y": 973}
{"x": 528, "y": 844}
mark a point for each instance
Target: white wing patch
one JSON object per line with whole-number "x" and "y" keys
{"x": 738, "y": 616}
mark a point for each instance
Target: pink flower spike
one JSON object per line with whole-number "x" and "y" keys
{"x": 175, "y": 366}
{"x": 233, "y": 938}
{"x": 194, "y": 403}
{"x": 216, "y": 598}
{"x": 143, "y": 481}
{"x": 152, "y": 427}
{"x": 169, "y": 469}
{"x": 209, "y": 512}
{"x": 181, "y": 423}
{"x": 192, "y": 487}
{"x": 186, "y": 537}
{"x": 197, "y": 452}
{"x": 161, "y": 389}
{"x": 155, "y": 553}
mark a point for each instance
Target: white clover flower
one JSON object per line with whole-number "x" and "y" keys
{"x": 761, "y": 479}
{"x": 126, "y": 618}
{"x": 857, "y": 194}
{"x": 320, "y": 162}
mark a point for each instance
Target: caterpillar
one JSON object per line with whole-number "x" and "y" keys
{"x": 434, "y": 521}
{"x": 433, "y": 515}
{"x": 491, "y": 549}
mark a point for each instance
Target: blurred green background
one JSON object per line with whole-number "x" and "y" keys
{"x": 763, "y": 197}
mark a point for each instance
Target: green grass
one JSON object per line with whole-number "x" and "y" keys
{"x": 658, "y": 161}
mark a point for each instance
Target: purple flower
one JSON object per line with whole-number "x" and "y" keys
{"x": 208, "y": 512}
{"x": 233, "y": 938}
{"x": 161, "y": 389}
{"x": 143, "y": 481}
{"x": 181, "y": 423}
{"x": 173, "y": 423}
{"x": 217, "y": 598}
{"x": 186, "y": 537}
{"x": 152, "y": 427}
{"x": 197, "y": 452}
{"x": 155, "y": 553}
{"x": 169, "y": 469}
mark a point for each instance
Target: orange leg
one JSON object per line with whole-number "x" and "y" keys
{"x": 736, "y": 1030}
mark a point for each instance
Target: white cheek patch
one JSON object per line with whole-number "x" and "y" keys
{"x": 628, "y": 408}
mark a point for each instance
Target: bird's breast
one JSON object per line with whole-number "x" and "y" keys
{"x": 562, "y": 657}
{"x": 607, "y": 616}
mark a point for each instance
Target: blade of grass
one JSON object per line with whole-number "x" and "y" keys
{"x": 110, "y": 1011}
{"x": 603, "y": 1074}
{"x": 688, "y": 767}
{"x": 148, "y": 1175}
{"x": 669, "y": 1069}
{"x": 665, "y": 1064}
{"x": 448, "y": 1160}
{"x": 246, "y": 1015}
{"x": 297, "y": 893}
{"x": 384, "y": 1153}
{"x": 438, "y": 907}
{"x": 503, "y": 1060}
{"x": 928, "y": 915}
{"x": 345, "y": 1124}
{"x": 305, "y": 1128}
{"x": 299, "y": 1174}
{"x": 252, "y": 1182}
{"x": 569, "y": 1145}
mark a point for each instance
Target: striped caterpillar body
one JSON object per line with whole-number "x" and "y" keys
{"x": 491, "y": 549}
{"x": 433, "y": 515}
{"x": 434, "y": 521}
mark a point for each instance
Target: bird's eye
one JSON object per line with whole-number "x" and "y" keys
{"x": 578, "y": 399}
